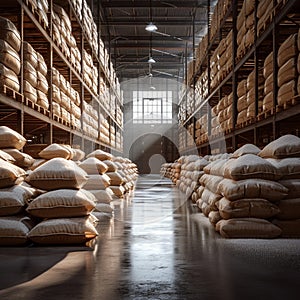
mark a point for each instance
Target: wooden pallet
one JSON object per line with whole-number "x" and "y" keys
{"x": 265, "y": 114}
{"x": 291, "y": 102}
{"x": 9, "y": 92}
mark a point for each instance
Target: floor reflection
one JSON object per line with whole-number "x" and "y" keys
{"x": 157, "y": 246}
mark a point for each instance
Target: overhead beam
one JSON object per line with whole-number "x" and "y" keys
{"x": 155, "y": 4}
{"x": 159, "y": 22}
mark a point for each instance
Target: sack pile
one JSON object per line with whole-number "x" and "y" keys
{"x": 171, "y": 171}
{"x": 35, "y": 84}
{"x": 287, "y": 69}
{"x": 284, "y": 154}
{"x": 10, "y": 45}
{"x": 251, "y": 193}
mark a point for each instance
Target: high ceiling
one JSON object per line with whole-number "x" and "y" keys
{"x": 123, "y": 30}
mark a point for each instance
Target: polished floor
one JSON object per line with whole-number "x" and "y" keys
{"x": 157, "y": 246}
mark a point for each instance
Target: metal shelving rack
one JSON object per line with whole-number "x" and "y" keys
{"x": 30, "y": 119}
{"x": 264, "y": 127}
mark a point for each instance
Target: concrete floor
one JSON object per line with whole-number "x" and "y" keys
{"x": 157, "y": 246}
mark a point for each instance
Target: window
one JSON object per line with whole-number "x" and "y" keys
{"x": 152, "y": 107}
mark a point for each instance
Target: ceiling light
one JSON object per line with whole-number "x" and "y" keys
{"x": 151, "y": 60}
{"x": 152, "y": 88}
{"x": 151, "y": 27}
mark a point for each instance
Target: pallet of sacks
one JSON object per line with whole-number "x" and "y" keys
{"x": 63, "y": 210}
{"x": 249, "y": 192}
{"x": 14, "y": 194}
{"x": 284, "y": 154}
{"x": 10, "y": 64}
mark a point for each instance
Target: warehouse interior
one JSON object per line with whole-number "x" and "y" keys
{"x": 149, "y": 149}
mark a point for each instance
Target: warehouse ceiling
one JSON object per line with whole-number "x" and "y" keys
{"x": 171, "y": 45}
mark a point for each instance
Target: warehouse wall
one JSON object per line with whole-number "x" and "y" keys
{"x": 149, "y": 145}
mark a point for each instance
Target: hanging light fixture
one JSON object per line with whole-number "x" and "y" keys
{"x": 151, "y": 27}
{"x": 151, "y": 60}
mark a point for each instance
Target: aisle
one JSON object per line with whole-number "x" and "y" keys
{"x": 157, "y": 246}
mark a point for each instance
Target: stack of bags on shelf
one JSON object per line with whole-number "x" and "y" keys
{"x": 245, "y": 27}
{"x": 88, "y": 20}
{"x": 221, "y": 61}
{"x": 287, "y": 58}
{"x": 269, "y": 83}
{"x": 66, "y": 100}
{"x": 201, "y": 88}
{"x": 247, "y": 99}
{"x": 90, "y": 120}
{"x": 64, "y": 209}
{"x": 284, "y": 154}
{"x": 219, "y": 13}
{"x": 119, "y": 140}
{"x": 201, "y": 51}
{"x": 10, "y": 45}
{"x": 35, "y": 84}
{"x": 119, "y": 115}
{"x": 251, "y": 98}
{"x": 264, "y": 13}
{"x": 202, "y": 129}
{"x": 190, "y": 102}
{"x": 223, "y": 114}
{"x": 62, "y": 35}
{"x": 112, "y": 131}
{"x": 42, "y": 10}
{"x": 104, "y": 93}
{"x": 90, "y": 72}
{"x": 242, "y": 102}
{"x": 77, "y": 4}
{"x": 104, "y": 130}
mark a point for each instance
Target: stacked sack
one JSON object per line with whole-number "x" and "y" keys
{"x": 171, "y": 171}
{"x": 269, "y": 83}
{"x": 10, "y": 45}
{"x": 90, "y": 117}
{"x": 64, "y": 211}
{"x": 21, "y": 159}
{"x": 14, "y": 224}
{"x": 201, "y": 131}
{"x": 264, "y": 13}
{"x": 287, "y": 69}
{"x": 284, "y": 154}
{"x": 245, "y": 27}
{"x": 42, "y": 11}
{"x": 66, "y": 100}
{"x": 249, "y": 192}
{"x": 208, "y": 195}
{"x": 62, "y": 35}
{"x": 104, "y": 130}
{"x": 128, "y": 171}
{"x": 246, "y": 97}
{"x": 35, "y": 84}
{"x": 191, "y": 171}
{"x": 90, "y": 74}
{"x": 96, "y": 166}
